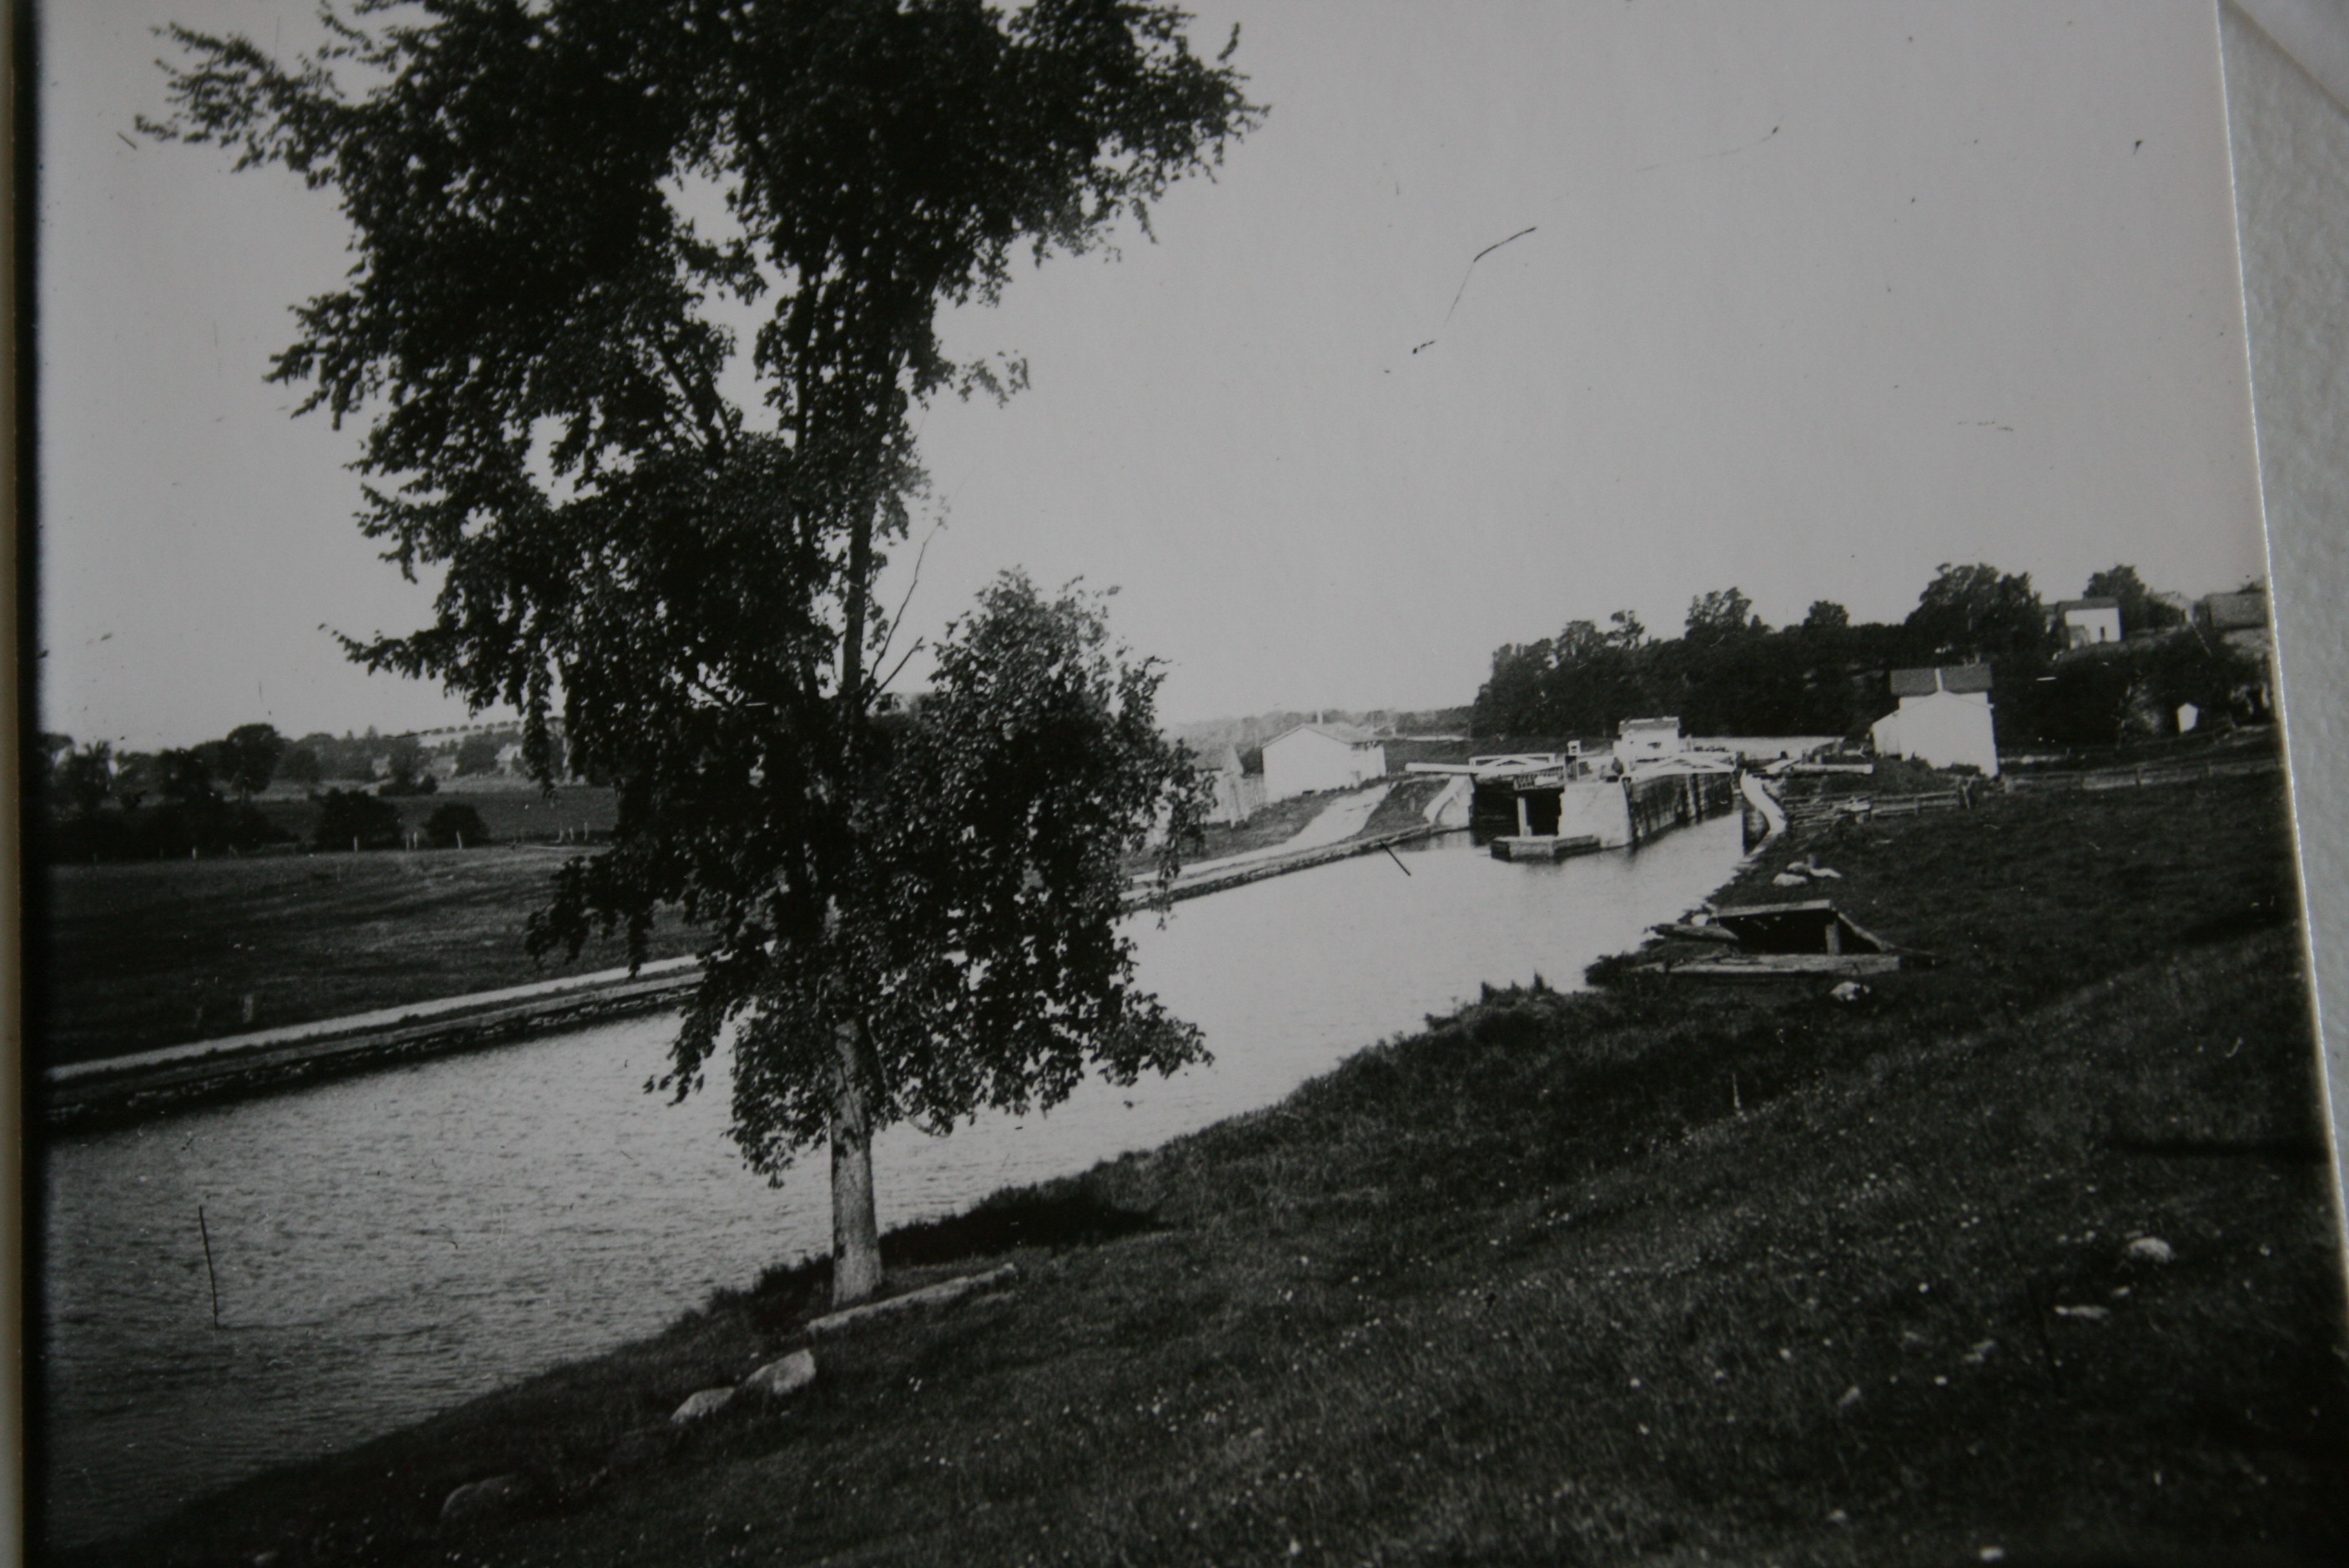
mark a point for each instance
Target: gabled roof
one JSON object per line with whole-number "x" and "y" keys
{"x": 1344, "y": 734}
{"x": 1950, "y": 677}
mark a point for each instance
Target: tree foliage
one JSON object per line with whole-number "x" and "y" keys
{"x": 1978, "y": 612}
{"x": 979, "y": 922}
{"x": 477, "y": 755}
{"x": 248, "y": 757}
{"x": 1731, "y": 674}
{"x": 354, "y": 820}
{"x": 2140, "y": 611}
{"x": 557, "y": 210}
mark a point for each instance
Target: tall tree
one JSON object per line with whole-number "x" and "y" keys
{"x": 1978, "y": 612}
{"x": 1721, "y": 615}
{"x": 551, "y": 203}
{"x": 249, "y": 755}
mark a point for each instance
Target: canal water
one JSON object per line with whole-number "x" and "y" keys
{"x": 390, "y": 1245}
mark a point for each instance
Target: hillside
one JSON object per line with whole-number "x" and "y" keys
{"x": 2028, "y": 1257}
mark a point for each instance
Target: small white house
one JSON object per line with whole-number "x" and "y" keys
{"x": 1647, "y": 740}
{"x": 1237, "y": 794}
{"x": 2088, "y": 622}
{"x": 1944, "y": 718}
{"x": 1321, "y": 756}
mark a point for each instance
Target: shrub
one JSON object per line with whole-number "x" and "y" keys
{"x": 455, "y": 826}
{"x": 352, "y": 817}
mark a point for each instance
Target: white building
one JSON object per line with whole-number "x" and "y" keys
{"x": 1238, "y": 793}
{"x": 2087, "y": 621}
{"x": 1321, "y": 756}
{"x": 1944, "y": 718}
{"x": 1647, "y": 740}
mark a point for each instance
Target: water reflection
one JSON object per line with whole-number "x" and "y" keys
{"x": 387, "y": 1246}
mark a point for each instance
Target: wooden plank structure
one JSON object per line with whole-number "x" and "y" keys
{"x": 1544, "y": 846}
{"x": 1806, "y": 939}
{"x": 1788, "y": 966}
{"x": 1806, "y": 926}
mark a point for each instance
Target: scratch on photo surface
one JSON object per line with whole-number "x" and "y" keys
{"x": 1470, "y": 273}
{"x": 1702, "y": 157}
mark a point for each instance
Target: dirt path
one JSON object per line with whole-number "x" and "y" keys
{"x": 1339, "y": 821}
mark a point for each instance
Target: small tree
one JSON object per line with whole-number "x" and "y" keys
{"x": 302, "y": 766}
{"x": 404, "y": 755}
{"x": 455, "y": 826}
{"x": 477, "y": 755}
{"x": 249, "y": 757}
{"x": 84, "y": 779}
{"x": 979, "y": 926}
{"x": 186, "y": 776}
{"x": 354, "y": 820}
{"x": 527, "y": 326}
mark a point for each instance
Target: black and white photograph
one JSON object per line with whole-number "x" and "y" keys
{"x": 1266, "y": 781}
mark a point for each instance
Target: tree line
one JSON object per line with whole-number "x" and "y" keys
{"x": 1730, "y": 673}
{"x": 100, "y": 804}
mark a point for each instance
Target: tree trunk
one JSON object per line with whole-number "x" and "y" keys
{"x": 855, "y": 1235}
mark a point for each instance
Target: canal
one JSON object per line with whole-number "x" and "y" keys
{"x": 390, "y": 1245}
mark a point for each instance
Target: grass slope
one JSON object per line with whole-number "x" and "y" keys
{"x": 1641, "y": 1276}
{"x": 145, "y": 954}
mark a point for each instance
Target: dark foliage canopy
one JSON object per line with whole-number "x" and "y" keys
{"x": 1731, "y": 674}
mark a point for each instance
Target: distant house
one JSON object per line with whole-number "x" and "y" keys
{"x": 1321, "y": 756}
{"x": 1944, "y": 718}
{"x": 1237, "y": 794}
{"x": 2239, "y": 621}
{"x": 510, "y": 757}
{"x": 1646, "y": 739}
{"x": 2084, "y": 623}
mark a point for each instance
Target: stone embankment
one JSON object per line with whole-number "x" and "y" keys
{"x": 128, "y": 1088}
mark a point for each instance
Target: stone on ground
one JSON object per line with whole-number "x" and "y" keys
{"x": 481, "y": 1501}
{"x": 780, "y": 1379}
{"x": 701, "y": 1406}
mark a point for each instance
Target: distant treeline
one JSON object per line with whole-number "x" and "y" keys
{"x": 94, "y": 803}
{"x": 1730, "y": 674}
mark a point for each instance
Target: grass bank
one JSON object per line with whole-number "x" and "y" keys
{"x": 143, "y": 954}
{"x": 1644, "y": 1274}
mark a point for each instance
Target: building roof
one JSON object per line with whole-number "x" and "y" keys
{"x": 2068, "y": 605}
{"x": 2231, "y": 612}
{"x": 1344, "y": 734}
{"x": 1950, "y": 677}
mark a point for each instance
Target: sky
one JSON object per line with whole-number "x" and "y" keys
{"x": 1804, "y": 299}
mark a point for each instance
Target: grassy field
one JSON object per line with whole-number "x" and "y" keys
{"x": 144, "y": 955}
{"x": 1634, "y": 1276}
